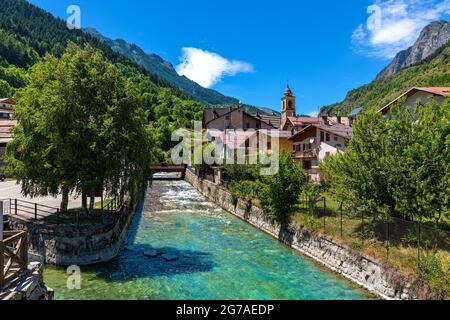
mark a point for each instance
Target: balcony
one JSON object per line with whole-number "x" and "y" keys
{"x": 306, "y": 154}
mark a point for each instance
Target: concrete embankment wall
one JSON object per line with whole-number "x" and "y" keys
{"x": 384, "y": 281}
{"x": 76, "y": 245}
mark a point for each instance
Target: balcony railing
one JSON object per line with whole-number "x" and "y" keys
{"x": 305, "y": 154}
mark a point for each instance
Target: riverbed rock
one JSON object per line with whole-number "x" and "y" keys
{"x": 152, "y": 253}
{"x": 170, "y": 257}
{"x": 131, "y": 248}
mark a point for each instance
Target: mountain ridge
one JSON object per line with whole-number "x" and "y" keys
{"x": 432, "y": 70}
{"x": 431, "y": 38}
{"x": 160, "y": 67}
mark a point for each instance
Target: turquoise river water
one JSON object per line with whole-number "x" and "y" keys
{"x": 220, "y": 257}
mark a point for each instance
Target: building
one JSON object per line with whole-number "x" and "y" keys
{"x": 6, "y": 108}
{"x": 316, "y": 142}
{"x": 419, "y": 95}
{"x": 6, "y": 125}
{"x": 234, "y": 119}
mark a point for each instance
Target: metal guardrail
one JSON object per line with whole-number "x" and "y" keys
{"x": 36, "y": 211}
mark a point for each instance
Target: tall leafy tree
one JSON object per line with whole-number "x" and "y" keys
{"x": 81, "y": 128}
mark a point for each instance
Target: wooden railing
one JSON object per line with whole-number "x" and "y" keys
{"x": 13, "y": 255}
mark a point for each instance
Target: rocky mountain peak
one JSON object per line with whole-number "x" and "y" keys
{"x": 432, "y": 37}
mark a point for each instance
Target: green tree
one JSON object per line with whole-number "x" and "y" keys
{"x": 81, "y": 128}
{"x": 397, "y": 166}
{"x": 279, "y": 194}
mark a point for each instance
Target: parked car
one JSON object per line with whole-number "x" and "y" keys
{"x": 2, "y": 177}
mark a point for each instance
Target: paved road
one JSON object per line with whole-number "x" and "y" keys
{"x": 10, "y": 189}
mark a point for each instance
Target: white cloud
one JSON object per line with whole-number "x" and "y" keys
{"x": 208, "y": 68}
{"x": 394, "y": 25}
{"x": 313, "y": 114}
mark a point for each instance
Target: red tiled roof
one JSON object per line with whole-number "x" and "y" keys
{"x": 440, "y": 91}
{"x": 275, "y": 121}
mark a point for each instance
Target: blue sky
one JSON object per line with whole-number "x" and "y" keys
{"x": 249, "y": 49}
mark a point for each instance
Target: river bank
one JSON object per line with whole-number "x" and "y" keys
{"x": 379, "y": 279}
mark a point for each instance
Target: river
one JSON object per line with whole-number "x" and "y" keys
{"x": 220, "y": 257}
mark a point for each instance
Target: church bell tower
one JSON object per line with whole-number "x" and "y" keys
{"x": 287, "y": 107}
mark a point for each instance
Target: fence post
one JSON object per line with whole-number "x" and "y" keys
{"x": 362, "y": 228}
{"x": 418, "y": 241}
{"x": 15, "y": 206}
{"x": 342, "y": 233}
{"x": 2, "y": 262}
{"x": 387, "y": 236}
{"x": 1, "y": 225}
{"x": 35, "y": 211}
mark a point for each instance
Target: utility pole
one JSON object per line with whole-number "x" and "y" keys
{"x": 1, "y": 219}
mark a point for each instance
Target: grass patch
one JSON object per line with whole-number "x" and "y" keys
{"x": 370, "y": 239}
{"x": 78, "y": 217}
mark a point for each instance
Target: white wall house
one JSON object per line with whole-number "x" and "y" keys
{"x": 6, "y": 108}
{"x": 317, "y": 142}
{"x": 419, "y": 95}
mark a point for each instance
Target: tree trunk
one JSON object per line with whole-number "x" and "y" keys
{"x": 92, "y": 203}
{"x": 84, "y": 202}
{"x": 65, "y": 200}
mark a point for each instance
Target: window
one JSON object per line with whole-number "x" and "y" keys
{"x": 336, "y": 138}
{"x": 328, "y": 137}
{"x": 248, "y": 125}
{"x": 307, "y": 165}
{"x": 258, "y": 126}
{"x": 322, "y": 136}
{"x": 269, "y": 145}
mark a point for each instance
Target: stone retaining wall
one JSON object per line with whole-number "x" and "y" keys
{"x": 73, "y": 245}
{"x": 369, "y": 273}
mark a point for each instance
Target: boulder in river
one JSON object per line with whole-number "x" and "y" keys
{"x": 152, "y": 253}
{"x": 170, "y": 257}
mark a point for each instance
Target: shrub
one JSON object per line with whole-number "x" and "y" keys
{"x": 431, "y": 270}
{"x": 279, "y": 194}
